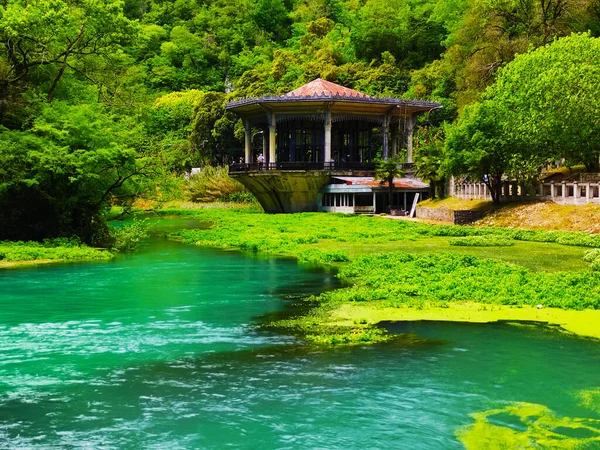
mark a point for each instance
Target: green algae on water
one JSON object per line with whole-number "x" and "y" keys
{"x": 528, "y": 425}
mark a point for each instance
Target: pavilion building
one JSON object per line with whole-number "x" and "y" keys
{"x": 317, "y": 139}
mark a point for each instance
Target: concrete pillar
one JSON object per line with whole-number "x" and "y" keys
{"x": 247, "y": 141}
{"x": 552, "y": 190}
{"x": 374, "y": 202}
{"x": 327, "y": 158}
{"x": 410, "y": 127}
{"x": 576, "y": 190}
{"x": 564, "y": 190}
{"x": 385, "y": 131}
{"x": 588, "y": 191}
{"x": 265, "y": 143}
{"x": 394, "y": 142}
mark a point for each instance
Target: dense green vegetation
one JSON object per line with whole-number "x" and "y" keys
{"x": 50, "y": 250}
{"x": 401, "y": 278}
{"x": 104, "y": 101}
{"x": 321, "y": 237}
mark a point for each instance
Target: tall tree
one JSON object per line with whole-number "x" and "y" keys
{"x": 549, "y": 98}
{"x": 55, "y": 36}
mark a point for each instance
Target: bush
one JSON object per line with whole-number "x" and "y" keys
{"x": 591, "y": 255}
{"x": 240, "y": 197}
{"x": 482, "y": 241}
{"x": 212, "y": 184}
{"x": 127, "y": 238}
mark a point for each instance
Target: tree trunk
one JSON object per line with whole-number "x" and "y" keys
{"x": 59, "y": 75}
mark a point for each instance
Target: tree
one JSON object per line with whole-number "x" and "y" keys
{"x": 430, "y": 160}
{"x": 549, "y": 98}
{"x": 58, "y": 178}
{"x": 52, "y": 37}
{"x": 386, "y": 171}
{"x": 476, "y": 147}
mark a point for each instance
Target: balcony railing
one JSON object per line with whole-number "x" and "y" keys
{"x": 299, "y": 165}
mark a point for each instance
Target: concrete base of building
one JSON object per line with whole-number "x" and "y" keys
{"x": 285, "y": 191}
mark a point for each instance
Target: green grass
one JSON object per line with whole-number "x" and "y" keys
{"x": 49, "y": 250}
{"x": 315, "y": 237}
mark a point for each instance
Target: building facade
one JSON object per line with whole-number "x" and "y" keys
{"x": 317, "y": 132}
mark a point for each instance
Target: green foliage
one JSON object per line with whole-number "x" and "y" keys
{"x": 386, "y": 171}
{"x": 554, "y": 114}
{"x": 593, "y": 257}
{"x": 240, "y": 197}
{"x": 322, "y": 256}
{"x": 430, "y": 160}
{"x": 128, "y": 237}
{"x": 521, "y": 124}
{"x": 102, "y": 101}
{"x": 57, "y": 178}
{"x": 213, "y": 184}
{"x": 60, "y": 249}
{"x": 397, "y": 279}
{"x": 482, "y": 241}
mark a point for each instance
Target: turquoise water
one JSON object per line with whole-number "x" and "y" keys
{"x": 159, "y": 349}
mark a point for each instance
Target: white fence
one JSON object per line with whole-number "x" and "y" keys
{"x": 564, "y": 193}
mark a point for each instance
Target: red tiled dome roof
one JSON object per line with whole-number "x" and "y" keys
{"x": 324, "y": 88}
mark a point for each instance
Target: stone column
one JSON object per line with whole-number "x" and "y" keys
{"x": 247, "y": 141}
{"x": 394, "y": 142}
{"x": 576, "y": 190}
{"x": 588, "y": 191}
{"x": 272, "y": 139}
{"x": 385, "y": 130}
{"x": 411, "y": 121}
{"x": 327, "y": 158}
{"x": 265, "y": 143}
{"x": 564, "y": 190}
{"x": 552, "y": 190}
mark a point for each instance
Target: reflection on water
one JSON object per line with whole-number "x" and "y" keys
{"x": 159, "y": 349}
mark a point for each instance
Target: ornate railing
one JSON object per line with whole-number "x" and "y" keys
{"x": 300, "y": 165}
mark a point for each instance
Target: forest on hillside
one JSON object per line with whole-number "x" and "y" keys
{"x": 102, "y": 101}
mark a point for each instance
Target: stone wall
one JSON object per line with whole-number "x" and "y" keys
{"x": 463, "y": 217}
{"x": 458, "y": 217}
{"x": 443, "y": 214}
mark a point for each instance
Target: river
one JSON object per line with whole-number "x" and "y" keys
{"x": 159, "y": 350}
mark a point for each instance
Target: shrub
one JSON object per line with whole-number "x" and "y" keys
{"x": 591, "y": 255}
{"x": 127, "y": 238}
{"x": 482, "y": 241}
{"x": 240, "y": 197}
{"x": 212, "y": 184}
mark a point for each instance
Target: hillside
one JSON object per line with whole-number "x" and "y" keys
{"x": 546, "y": 215}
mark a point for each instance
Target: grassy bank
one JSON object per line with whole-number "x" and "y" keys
{"x": 18, "y": 254}
{"x": 391, "y": 268}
